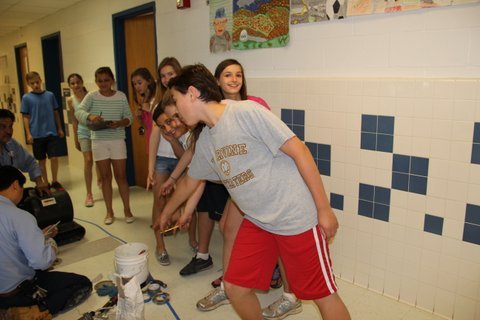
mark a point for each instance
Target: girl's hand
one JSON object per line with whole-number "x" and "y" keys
{"x": 77, "y": 145}
{"x": 95, "y": 118}
{"x": 328, "y": 223}
{"x": 167, "y": 187}
{"x": 150, "y": 179}
{"x": 184, "y": 221}
{"x": 114, "y": 124}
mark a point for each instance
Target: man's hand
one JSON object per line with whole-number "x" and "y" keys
{"x": 328, "y": 223}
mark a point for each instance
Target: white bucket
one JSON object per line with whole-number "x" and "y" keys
{"x": 131, "y": 260}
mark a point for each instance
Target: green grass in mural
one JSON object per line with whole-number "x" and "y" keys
{"x": 281, "y": 41}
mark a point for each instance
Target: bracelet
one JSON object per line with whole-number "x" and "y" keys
{"x": 173, "y": 178}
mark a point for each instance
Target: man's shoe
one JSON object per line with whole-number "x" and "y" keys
{"x": 214, "y": 299}
{"x": 196, "y": 265}
{"x": 281, "y": 308}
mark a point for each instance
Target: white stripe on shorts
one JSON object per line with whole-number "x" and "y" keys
{"x": 322, "y": 256}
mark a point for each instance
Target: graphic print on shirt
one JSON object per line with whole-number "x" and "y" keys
{"x": 221, "y": 156}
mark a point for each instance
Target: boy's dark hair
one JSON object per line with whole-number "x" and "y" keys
{"x": 167, "y": 100}
{"x": 226, "y": 63}
{"x": 9, "y": 174}
{"x": 32, "y": 74}
{"x": 201, "y": 78}
{"x": 5, "y": 113}
{"x": 104, "y": 70}
{"x": 145, "y": 74}
{"x": 76, "y": 75}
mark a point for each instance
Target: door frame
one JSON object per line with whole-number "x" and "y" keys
{"x": 20, "y": 76}
{"x": 53, "y": 62}
{"x": 121, "y": 67}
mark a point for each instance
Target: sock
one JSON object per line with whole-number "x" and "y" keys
{"x": 290, "y": 296}
{"x": 222, "y": 286}
{"x": 203, "y": 256}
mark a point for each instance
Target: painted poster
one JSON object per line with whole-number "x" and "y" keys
{"x": 306, "y": 11}
{"x": 360, "y": 7}
{"x": 220, "y": 26}
{"x": 260, "y": 24}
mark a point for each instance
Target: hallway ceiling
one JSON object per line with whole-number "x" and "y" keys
{"x": 15, "y": 14}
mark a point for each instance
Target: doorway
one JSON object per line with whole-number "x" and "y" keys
{"x": 53, "y": 69}
{"x": 21, "y": 55}
{"x": 135, "y": 46}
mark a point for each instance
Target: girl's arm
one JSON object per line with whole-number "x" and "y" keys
{"x": 309, "y": 172}
{"x": 190, "y": 205}
{"x": 152, "y": 154}
{"x": 71, "y": 109}
{"x": 184, "y": 190}
{"x": 177, "y": 172}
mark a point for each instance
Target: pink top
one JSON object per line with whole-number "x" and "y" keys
{"x": 147, "y": 121}
{"x": 259, "y": 100}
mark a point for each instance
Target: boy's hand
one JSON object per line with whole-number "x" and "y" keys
{"x": 29, "y": 139}
{"x": 60, "y": 133}
{"x": 328, "y": 223}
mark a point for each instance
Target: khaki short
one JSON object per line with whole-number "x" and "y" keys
{"x": 109, "y": 149}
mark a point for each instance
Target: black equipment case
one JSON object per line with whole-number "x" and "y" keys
{"x": 53, "y": 208}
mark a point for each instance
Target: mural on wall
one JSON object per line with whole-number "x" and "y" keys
{"x": 306, "y": 11}
{"x": 260, "y": 24}
{"x": 220, "y": 26}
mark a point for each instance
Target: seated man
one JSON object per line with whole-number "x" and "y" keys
{"x": 25, "y": 286}
{"x": 14, "y": 154}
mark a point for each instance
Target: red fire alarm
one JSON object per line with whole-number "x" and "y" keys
{"x": 183, "y": 4}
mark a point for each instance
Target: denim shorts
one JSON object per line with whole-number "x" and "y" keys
{"x": 166, "y": 165}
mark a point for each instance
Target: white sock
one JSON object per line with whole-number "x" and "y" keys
{"x": 290, "y": 296}
{"x": 203, "y": 256}
{"x": 222, "y": 286}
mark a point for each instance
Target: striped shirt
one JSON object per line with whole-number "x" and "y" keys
{"x": 112, "y": 108}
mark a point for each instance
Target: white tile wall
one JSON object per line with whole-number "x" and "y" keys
{"x": 433, "y": 119}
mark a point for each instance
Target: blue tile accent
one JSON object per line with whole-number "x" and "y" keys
{"x": 287, "y": 116}
{"x": 433, "y": 224}
{"x": 401, "y": 163}
{"x": 325, "y": 152}
{"x": 382, "y": 195}
{"x": 336, "y": 201}
{"x": 476, "y": 132}
{"x": 324, "y": 167}
{"x": 476, "y": 153}
{"x": 369, "y": 123}
{"x": 418, "y": 184}
{"x": 299, "y": 117}
{"x": 385, "y": 124}
{"x": 299, "y": 131}
{"x": 366, "y": 192}
{"x": 472, "y": 214}
{"x": 400, "y": 181}
{"x": 419, "y": 166}
{"x": 471, "y": 233}
{"x": 385, "y": 143}
{"x": 368, "y": 141}
{"x": 313, "y": 149}
{"x": 381, "y": 212}
{"x": 365, "y": 208}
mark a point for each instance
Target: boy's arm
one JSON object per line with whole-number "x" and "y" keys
{"x": 26, "y": 124}
{"x": 185, "y": 188}
{"x": 309, "y": 172}
{"x": 58, "y": 123}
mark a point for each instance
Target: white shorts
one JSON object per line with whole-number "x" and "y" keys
{"x": 109, "y": 149}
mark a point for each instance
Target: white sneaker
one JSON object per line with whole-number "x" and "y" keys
{"x": 214, "y": 299}
{"x": 281, "y": 308}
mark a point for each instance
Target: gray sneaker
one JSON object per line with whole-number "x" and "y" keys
{"x": 162, "y": 258}
{"x": 214, "y": 299}
{"x": 281, "y": 308}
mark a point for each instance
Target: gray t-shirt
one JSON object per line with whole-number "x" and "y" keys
{"x": 243, "y": 151}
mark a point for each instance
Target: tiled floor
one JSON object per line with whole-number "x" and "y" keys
{"x": 185, "y": 291}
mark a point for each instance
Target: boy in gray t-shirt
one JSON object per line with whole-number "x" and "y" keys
{"x": 271, "y": 176}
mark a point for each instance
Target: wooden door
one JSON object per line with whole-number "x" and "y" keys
{"x": 140, "y": 52}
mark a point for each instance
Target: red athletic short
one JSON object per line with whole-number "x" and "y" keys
{"x": 305, "y": 257}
